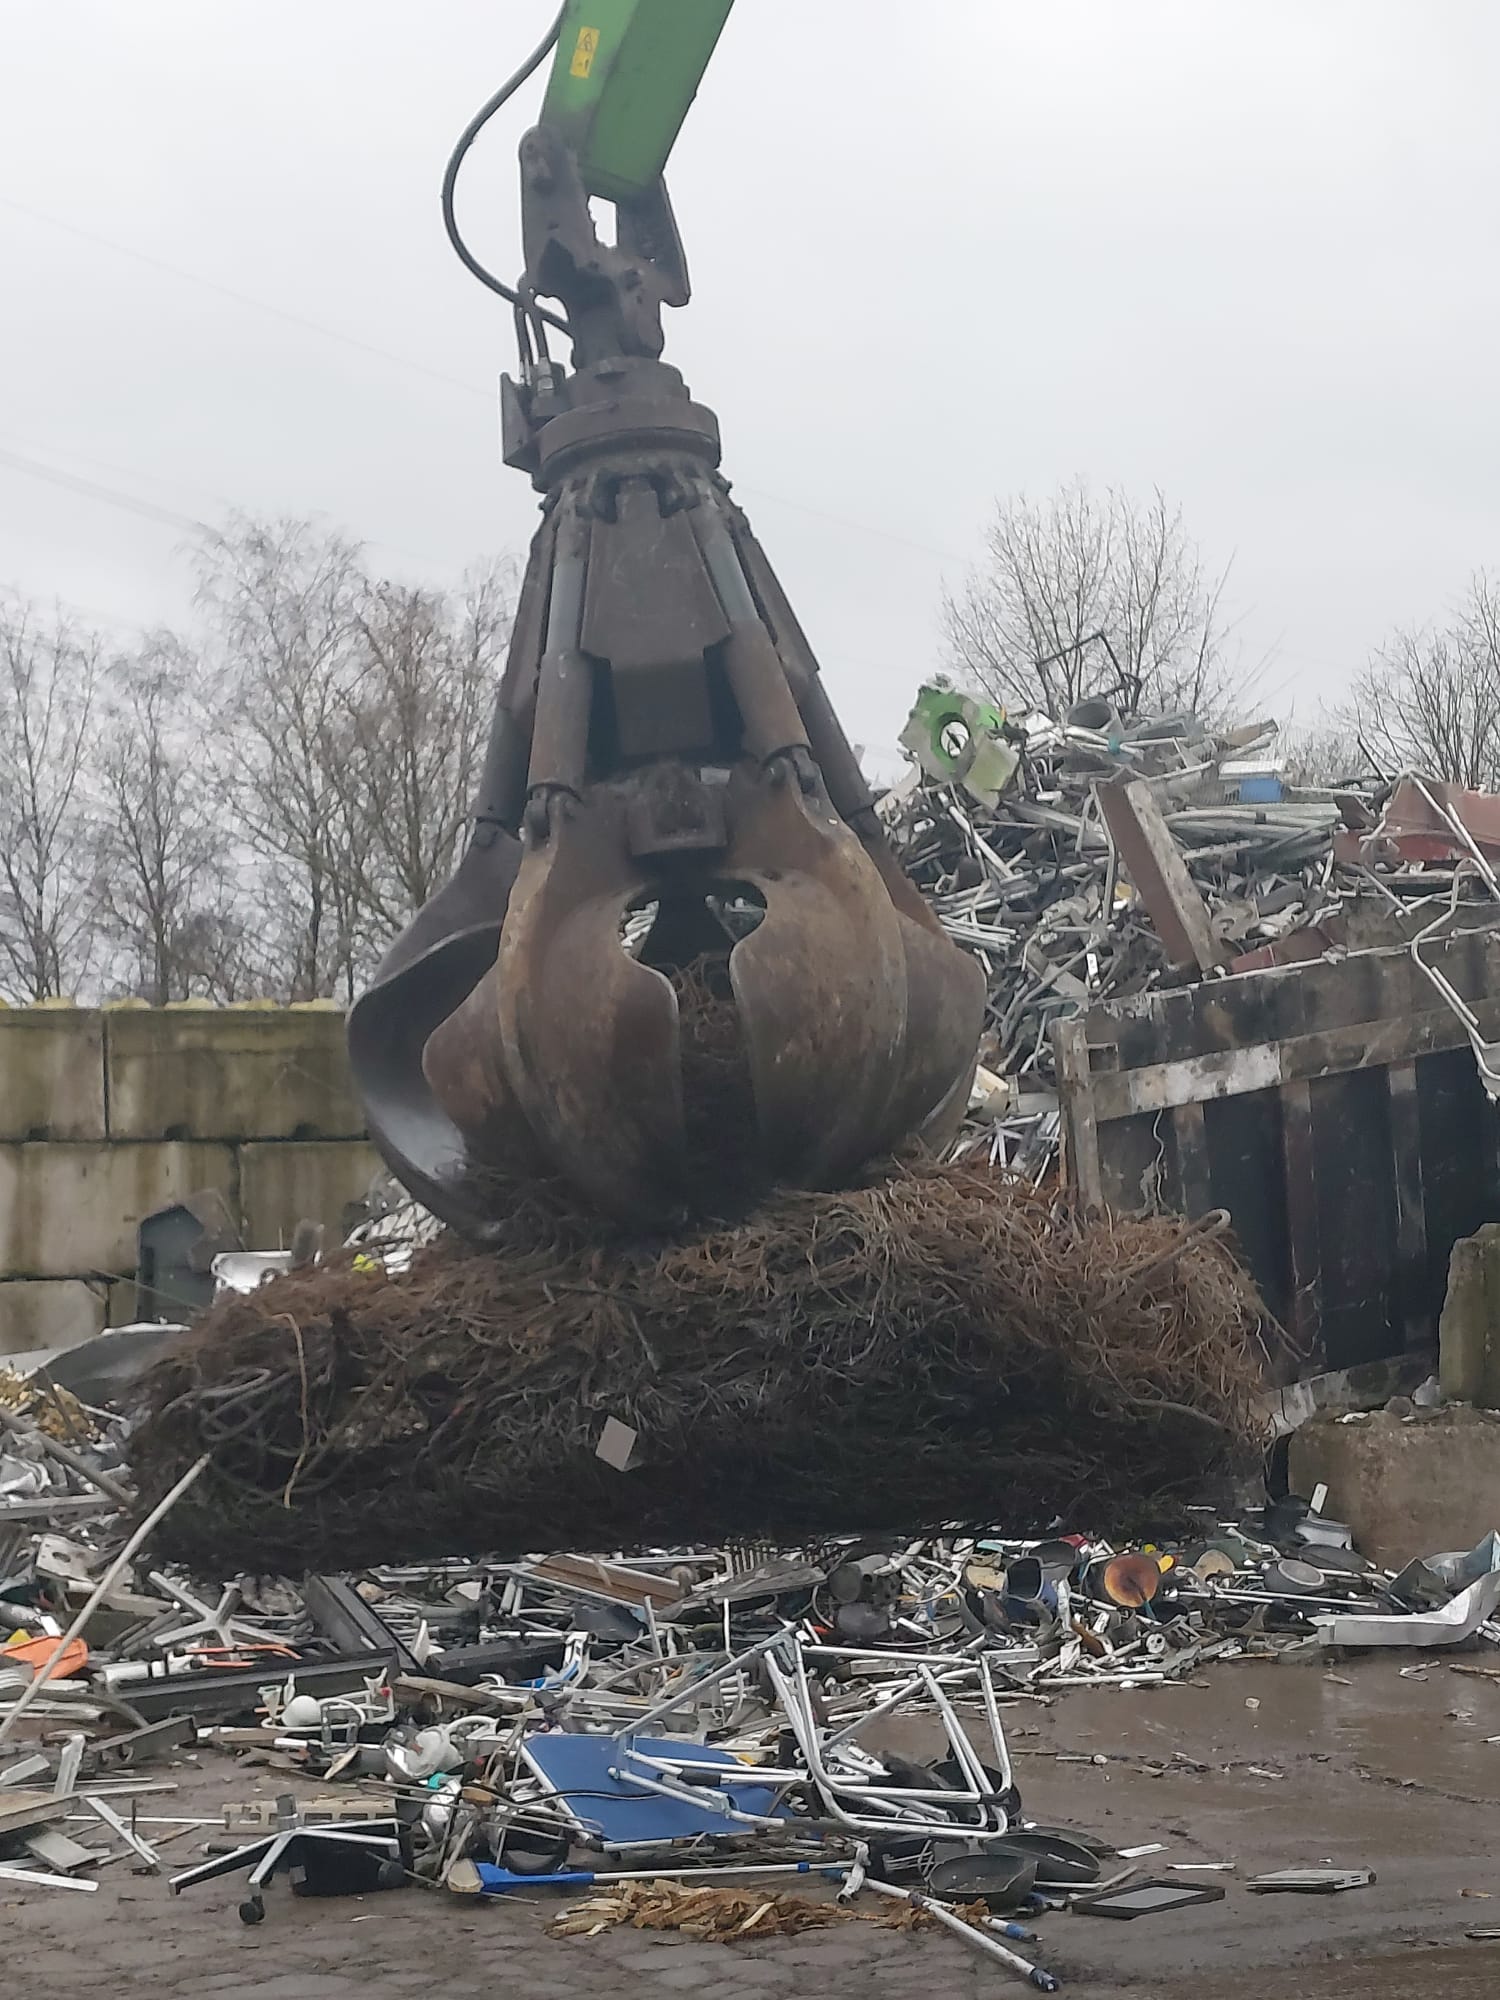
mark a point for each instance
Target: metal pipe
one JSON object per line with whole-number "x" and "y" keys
{"x": 1043, "y": 1981}
{"x": 1015, "y": 1656}
{"x": 694, "y": 1795}
{"x": 492, "y": 1880}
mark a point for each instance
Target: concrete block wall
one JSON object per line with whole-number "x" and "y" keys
{"x": 1408, "y": 1487}
{"x": 1469, "y": 1329}
{"x": 107, "y": 1114}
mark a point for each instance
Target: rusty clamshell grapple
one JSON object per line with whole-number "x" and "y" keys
{"x": 664, "y": 762}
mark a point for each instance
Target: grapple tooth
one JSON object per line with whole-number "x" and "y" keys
{"x": 461, "y": 1062}
{"x": 945, "y": 994}
{"x": 587, "y": 1034}
{"x": 819, "y": 983}
{"x": 859, "y": 1024}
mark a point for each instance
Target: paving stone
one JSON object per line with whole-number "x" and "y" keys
{"x": 645, "y": 1949}
{"x": 530, "y": 1985}
{"x": 308, "y": 1986}
{"x": 885, "y": 1944}
{"x": 286, "y": 1181}
{"x": 38, "y": 1313}
{"x": 830, "y": 1951}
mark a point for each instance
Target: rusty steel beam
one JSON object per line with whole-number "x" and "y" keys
{"x": 1155, "y": 865}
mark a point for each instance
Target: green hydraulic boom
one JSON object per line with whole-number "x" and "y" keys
{"x": 622, "y": 80}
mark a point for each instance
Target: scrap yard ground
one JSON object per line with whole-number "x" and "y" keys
{"x": 1364, "y": 1770}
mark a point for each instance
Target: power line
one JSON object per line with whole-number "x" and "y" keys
{"x": 243, "y": 298}
{"x": 94, "y": 616}
{"x": 472, "y": 389}
{"x": 97, "y": 491}
{"x": 848, "y": 521}
{"x": 109, "y": 496}
{"x": 113, "y": 465}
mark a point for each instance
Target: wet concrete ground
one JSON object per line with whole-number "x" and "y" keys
{"x": 1268, "y": 1767}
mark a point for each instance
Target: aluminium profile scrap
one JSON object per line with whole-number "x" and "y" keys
{"x": 674, "y": 1680}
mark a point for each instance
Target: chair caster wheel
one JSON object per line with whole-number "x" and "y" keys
{"x": 253, "y": 1910}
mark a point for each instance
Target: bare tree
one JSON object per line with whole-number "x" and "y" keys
{"x": 1087, "y": 595}
{"x": 350, "y": 718}
{"x": 48, "y": 675}
{"x": 282, "y": 603}
{"x": 418, "y": 717}
{"x": 164, "y": 877}
{"x": 1430, "y": 699}
{"x": 1324, "y": 755}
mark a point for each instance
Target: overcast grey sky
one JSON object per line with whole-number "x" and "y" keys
{"x": 1246, "y": 251}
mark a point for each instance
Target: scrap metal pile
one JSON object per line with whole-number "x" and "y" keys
{"x": 990, "y": 1349}
{"x": 1026, "y": 837}
{"x": 675, "y": 1738}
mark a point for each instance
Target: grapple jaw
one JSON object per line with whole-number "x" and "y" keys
{"x": 586, "y": 1046}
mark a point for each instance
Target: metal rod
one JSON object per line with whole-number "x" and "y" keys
{"x": 116, "y": 1825}
{"x": 31, "y": 1878}
{"x": 695, "y": 1795}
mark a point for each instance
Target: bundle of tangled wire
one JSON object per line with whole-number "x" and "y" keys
{"x": 940, "y": 1346}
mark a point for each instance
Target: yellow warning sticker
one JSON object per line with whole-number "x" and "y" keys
{"x": 583, "y": 52}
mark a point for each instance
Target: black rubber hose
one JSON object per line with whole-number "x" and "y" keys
{"x": 456, "y": 159}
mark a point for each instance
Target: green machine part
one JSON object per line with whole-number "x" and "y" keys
{"x": 623, "y": 77}
{"x": 959, "y": 740}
